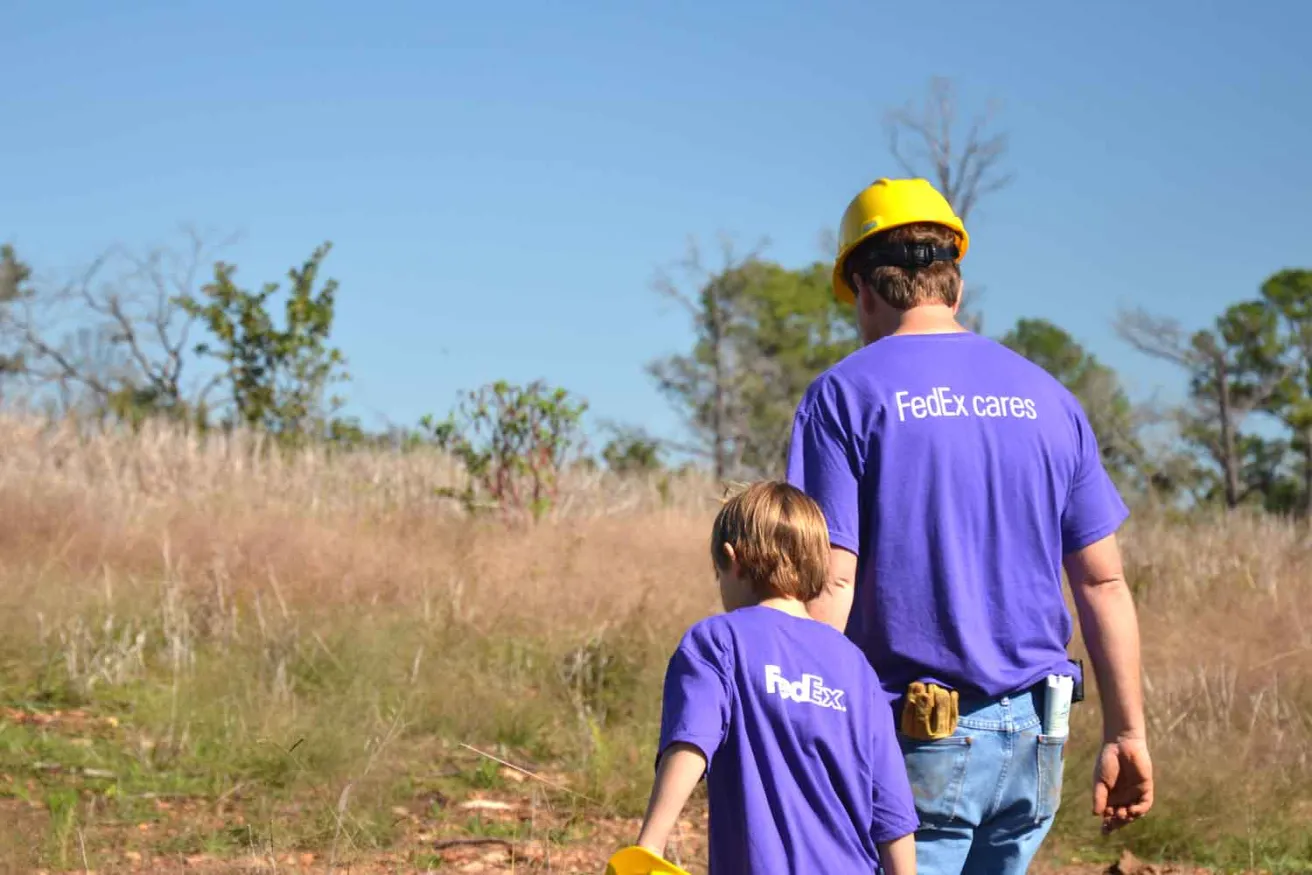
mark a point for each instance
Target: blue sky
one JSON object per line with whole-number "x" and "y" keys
{"x": 500, "y": 181}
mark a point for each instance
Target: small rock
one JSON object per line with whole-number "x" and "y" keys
{"x": 486, "y": 805}
{"x": 132, "y": 857}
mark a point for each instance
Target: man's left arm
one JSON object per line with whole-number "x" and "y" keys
{"x": 1123, "y": 776}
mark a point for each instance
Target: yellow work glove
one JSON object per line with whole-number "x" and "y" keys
{"x": 930, "y": 712}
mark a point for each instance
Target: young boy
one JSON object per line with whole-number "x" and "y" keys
{"x": 805, "y": 773}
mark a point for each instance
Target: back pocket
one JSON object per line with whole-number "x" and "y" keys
{"x": 937, "y": 771}
{"x": 1051, "y": 766}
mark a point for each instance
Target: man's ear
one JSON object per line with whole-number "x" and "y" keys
{"x": 862, "y": 291}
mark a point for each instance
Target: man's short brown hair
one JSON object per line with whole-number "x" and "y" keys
{"x": 904, "y": 288}
{"x": 779, "y": 538}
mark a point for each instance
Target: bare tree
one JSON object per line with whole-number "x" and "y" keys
{"x": 929, "y": 141}
{"x": 116, "y": 335}
{"x": 1226, "y": 389}
{"x": 926, "y": 141}
{"x": 706, "y": 383}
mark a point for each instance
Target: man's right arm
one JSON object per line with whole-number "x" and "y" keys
{"x": 834, "y": 605}
{"x": 819, "y": 463}
{"x": 1123, "y": 782}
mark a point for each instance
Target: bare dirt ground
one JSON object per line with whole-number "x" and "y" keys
{"x": 423, "y": 847}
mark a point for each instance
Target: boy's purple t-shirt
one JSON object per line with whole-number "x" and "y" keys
{"x": 805, "y": 773}
{"x": 960, "y": 473}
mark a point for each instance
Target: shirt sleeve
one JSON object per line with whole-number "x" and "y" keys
{"x": 819, "y": 464}
{"x": 696, "y": 705}
{"x": 894, "y": 806}
{"x": 1094, "y": 508}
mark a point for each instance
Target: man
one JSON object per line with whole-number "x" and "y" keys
{"x": 957, "y": 478}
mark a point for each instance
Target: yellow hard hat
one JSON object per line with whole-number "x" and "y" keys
{"x": 636, "y": 860}
{"x": 885, "y": 204}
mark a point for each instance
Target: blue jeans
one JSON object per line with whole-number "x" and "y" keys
{"x": 987, "y": 795}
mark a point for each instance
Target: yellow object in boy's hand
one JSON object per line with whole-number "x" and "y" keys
{"x": 636, "y": 860}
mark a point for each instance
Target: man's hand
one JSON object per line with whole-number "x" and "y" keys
{"x": 1122, "y": 783}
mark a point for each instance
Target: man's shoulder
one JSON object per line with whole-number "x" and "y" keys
{"x": 1022, "y": 367}
{"x": 840, "y": 384}
{"x": 866, "y": 372}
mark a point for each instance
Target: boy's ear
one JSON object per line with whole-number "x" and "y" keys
{"x": 730, "y": 557}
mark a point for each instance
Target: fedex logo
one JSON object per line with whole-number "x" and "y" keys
{"x": 810, "y": 688}
{"x": 942, "y": 403}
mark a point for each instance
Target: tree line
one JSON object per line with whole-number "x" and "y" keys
{"x": 174, "y": 334}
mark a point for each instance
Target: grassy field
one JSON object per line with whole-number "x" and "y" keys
{"x": 214, "y": 658}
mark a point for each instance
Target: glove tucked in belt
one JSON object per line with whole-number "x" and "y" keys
{"x": 929, "y": 712}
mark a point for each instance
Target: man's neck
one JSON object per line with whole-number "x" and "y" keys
{"x": 929, "y": 319}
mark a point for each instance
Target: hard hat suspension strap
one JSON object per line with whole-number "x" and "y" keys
{"x": 906, "y": 255}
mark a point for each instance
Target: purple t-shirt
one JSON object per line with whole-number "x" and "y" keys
{"x": 960, "y": 473}
{"x": 805, "y": 773}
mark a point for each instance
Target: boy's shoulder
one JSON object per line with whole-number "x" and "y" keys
{"x": 710, "y": 639}
{"x": 759, "y": 631}
{"x": 717, "y": 638}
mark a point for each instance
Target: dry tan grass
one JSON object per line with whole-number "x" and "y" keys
{"x": 338, "y": 580}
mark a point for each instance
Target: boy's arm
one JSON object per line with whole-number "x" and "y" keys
{"x": 681, "y": 767}
{"x": 898, "y": 857}
{"x": 694, "y": 717}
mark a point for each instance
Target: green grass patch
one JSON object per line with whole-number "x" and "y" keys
{"x": 310, "y": 732}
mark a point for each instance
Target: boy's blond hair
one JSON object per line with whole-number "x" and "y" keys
{"x": 779, "y": 539}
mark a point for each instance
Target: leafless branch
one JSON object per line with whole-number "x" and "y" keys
{"x": 1225, "y": 392}
{"x": 924, "y": 142}
{"x": 123, "y": 311}
{"x": 1160, "y": 337}
{"x": 695, "y": 273}
{"x": 1163, "y": 338}
{"x": 707, "y": 390}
